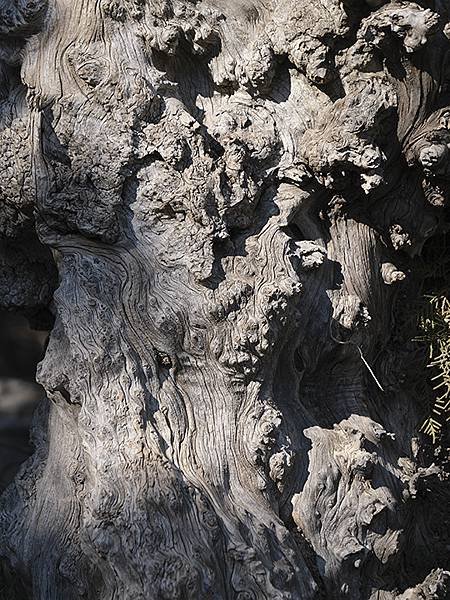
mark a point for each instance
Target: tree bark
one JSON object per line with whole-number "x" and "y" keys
{"x": 220, "y": 206}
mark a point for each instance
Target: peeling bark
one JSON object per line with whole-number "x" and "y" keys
{"x": 220, "y": 207}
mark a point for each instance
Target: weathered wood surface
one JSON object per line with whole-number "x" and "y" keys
{"x": 222, "y": 203}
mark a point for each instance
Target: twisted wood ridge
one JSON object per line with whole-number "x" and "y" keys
{"x": 222, "y": 203}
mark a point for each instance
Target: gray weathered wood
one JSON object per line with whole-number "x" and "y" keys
{"x": 221, "y": 204}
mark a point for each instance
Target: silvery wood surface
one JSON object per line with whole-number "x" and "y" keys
{"x": 222, "y": 204}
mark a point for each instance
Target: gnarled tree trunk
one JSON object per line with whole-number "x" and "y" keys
{"x": 221, "y": 203}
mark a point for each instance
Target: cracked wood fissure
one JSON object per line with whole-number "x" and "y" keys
{"x": 219, "y": 207}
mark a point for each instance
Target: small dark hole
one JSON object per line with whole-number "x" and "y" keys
{"x": 298, "y": 361}
{"x": 294, "y": 232}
